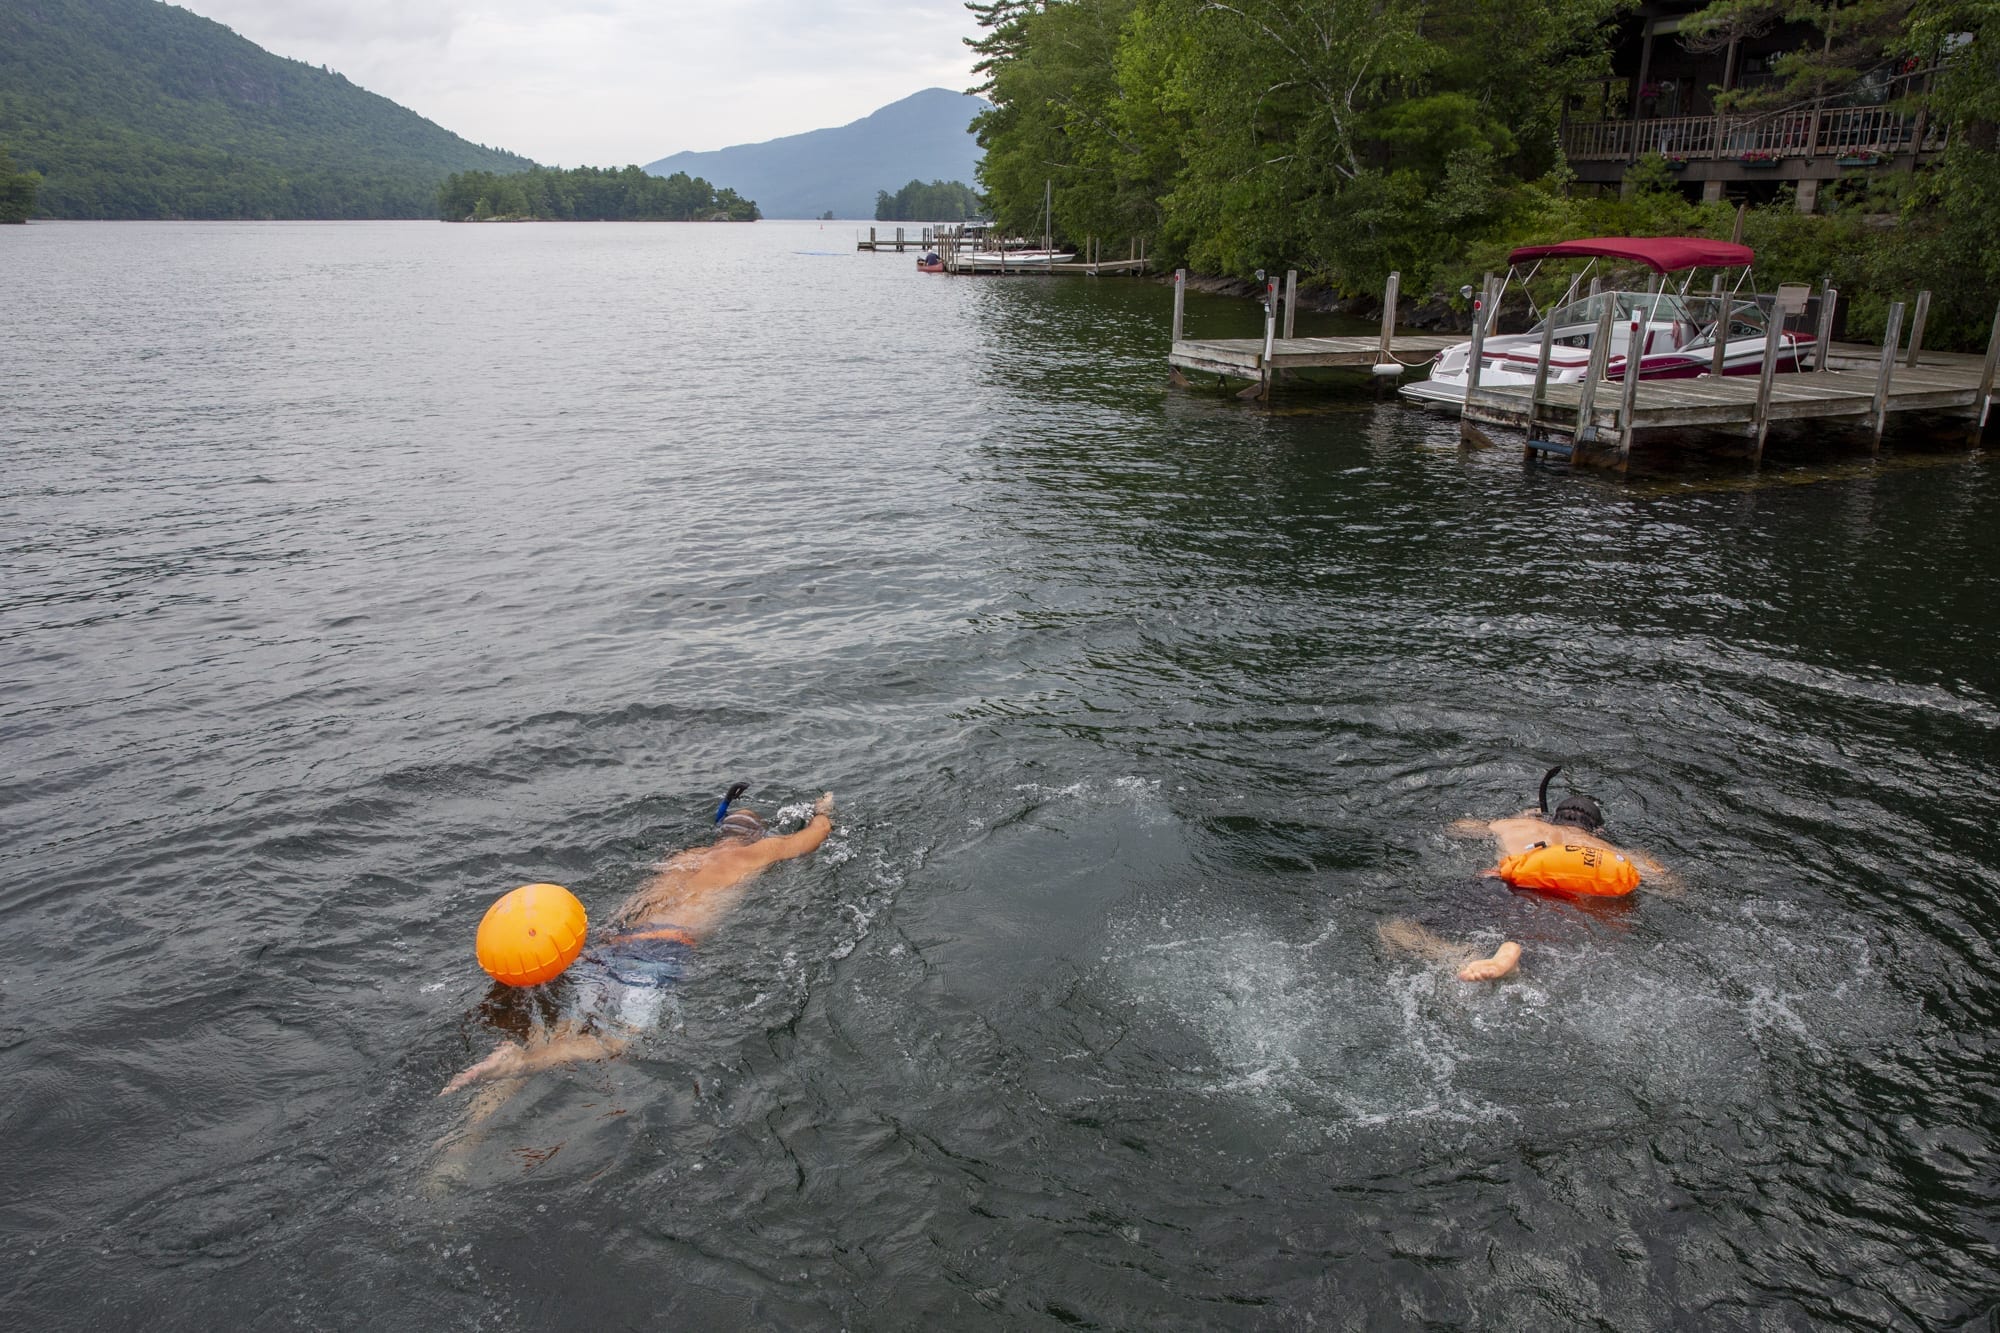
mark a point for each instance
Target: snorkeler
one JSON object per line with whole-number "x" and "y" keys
{"x": 645, "y": 946}
{"x": 1561, "y": 851}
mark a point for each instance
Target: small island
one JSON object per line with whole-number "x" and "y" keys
{"x": 588, "y": 194}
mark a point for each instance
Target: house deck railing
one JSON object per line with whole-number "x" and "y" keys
{"x": 1863, "y": 131}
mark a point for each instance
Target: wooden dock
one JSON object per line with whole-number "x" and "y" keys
{"x": 1260, "y": 360}
{"x": 1596, "y": 421}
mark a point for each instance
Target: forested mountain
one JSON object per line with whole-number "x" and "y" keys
{"x": 138, "y": 109}
{"x": 926, "y": 136}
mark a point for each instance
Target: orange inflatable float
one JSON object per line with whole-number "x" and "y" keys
{"x": 530, "y": 935}
{"x": 1573, "y": 868}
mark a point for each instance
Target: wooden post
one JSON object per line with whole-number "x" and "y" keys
{"x": 1829, "y": 296}
{"x": 1628, "y": 404}
{"x": 1270, "y": 332}
{"x": 1985, "y": 401}
{"x": 1600, "y": 354}
{"x": 1917, "y": 326}
{"x": 1180, "y": 299}
{"x": 1291, "y": 299}
{"x": 1541, "y": 381}
{"x": 1760, "y": 420}
{"x": 871, "y": 238}
{"x": 1472, "y": 362}
{"x": 1386, "y": 351}
{"x": 1890, "y": 337}
{"x": 899, "y": 240}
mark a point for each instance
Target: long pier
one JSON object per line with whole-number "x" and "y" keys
{"x": 1597, "y": 420}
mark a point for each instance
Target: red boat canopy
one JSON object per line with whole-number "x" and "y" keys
{"x": 1662, "y": 254}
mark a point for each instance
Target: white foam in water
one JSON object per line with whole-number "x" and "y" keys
{"x": 1140, "y": 795}
{"x": 1594, "y": 1030}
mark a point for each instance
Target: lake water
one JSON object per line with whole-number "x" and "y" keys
{"x": 353, "y": 574}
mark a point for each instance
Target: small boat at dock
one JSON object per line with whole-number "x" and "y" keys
{"x": 1659, "y": 333}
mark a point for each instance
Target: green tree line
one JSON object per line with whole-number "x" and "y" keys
{"x": 588, "y": 194}
{"x": 940, "y": 201}
{"x": 17, "y": 190}
{"x": 1349, "y": 138}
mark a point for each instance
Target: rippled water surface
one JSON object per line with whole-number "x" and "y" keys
{"x": 351, "y": 575}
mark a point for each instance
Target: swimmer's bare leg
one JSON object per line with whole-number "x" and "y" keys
{"x": 1402, "y": 935}
{"x": 1406, "y": 936}
{"x": 1504, "y": 960}
{"x": 511, "y": 1059}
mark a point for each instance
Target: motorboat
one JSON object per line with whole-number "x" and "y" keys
{"x": 1021, "y": 258}
{"x": 1674, "y": 333}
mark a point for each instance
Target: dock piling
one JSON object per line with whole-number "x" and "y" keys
{"x": 1635, "y": 350}
{"x": 1890, "y": 337}
{"x": 1291, "y": 299}
{"x": 1986, "y": 374}
{"x": 1180, "y": 300}
{"x": 1829, "y": 296}
{"x": 1760, "y": 414}
{"x": 1384, "y": 355}
{"x": 1586, "y": 397}
{"x": 1270, "y": 334}
{"x": 1541, "y": 384}
{"x": 1917, "y": 327}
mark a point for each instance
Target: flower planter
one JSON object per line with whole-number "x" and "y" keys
{"x": 1758, "y": 161}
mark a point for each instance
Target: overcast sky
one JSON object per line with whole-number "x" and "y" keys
{"x": 606, "y": 82}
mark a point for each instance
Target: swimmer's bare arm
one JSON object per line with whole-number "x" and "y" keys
{"x": 1469, "y": 828}
{"x": 770, "y": 851}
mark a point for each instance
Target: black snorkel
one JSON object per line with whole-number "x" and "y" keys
{"x": 1541, "y": 797}
{"x": 742, "y": 787}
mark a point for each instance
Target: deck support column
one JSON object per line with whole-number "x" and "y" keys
{"x": 1890, "y": 336}
{"x": 1923, "y": 313}
{"x": 1291, "y": 299}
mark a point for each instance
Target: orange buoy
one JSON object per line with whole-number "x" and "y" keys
{"x": 1572, "y": 868}
{"x": 532, "y": 934}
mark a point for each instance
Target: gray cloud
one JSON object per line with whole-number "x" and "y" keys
{"x": 605, "y": 82}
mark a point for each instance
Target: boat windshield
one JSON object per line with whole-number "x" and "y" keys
{"x": 1747, "y": 319}
{"x": 1663, "y": 307}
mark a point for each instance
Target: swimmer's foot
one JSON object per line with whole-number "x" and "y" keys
{"x": 506, "y": 1059}
{"x": 1504, "y": 960}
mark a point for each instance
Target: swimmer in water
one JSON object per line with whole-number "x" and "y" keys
{"x": 1577, "y": 821}
{"x": 645, "y": 946}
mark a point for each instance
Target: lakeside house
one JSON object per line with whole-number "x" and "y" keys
{"x": 1662, "y": 96}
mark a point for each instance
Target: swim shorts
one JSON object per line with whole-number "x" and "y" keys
{"x": 626, "y": 982}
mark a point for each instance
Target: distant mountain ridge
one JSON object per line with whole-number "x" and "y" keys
{"x": 138, "y": 109}
{"x": 925, "y": 137}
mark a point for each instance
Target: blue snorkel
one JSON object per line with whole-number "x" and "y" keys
{"x": 729, "y": 796}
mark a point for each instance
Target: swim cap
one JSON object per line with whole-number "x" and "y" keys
{"x": 742, "y": 824}
{"x": 1579, "y": 812}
